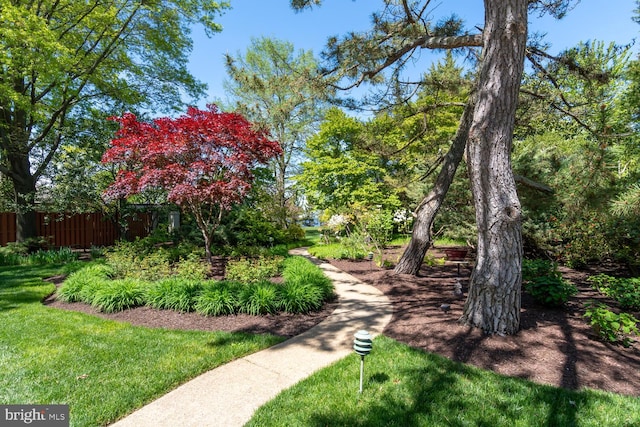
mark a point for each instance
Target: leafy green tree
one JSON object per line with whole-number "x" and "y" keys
{"x": 281, "y": 89}
{"x": 62, "y": 58}
{"x": 338, "y": 176}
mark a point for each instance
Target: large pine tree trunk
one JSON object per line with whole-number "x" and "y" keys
{"x": 426, "y": 212}
{"x": 493, "y": 303}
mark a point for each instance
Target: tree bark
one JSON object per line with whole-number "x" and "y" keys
{"x": 17, "y": 168}
{"x": 426, "y": 212}
{"x": 493, "y": 303}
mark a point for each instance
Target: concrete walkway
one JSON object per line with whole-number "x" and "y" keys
{"x": 229, "y": 394}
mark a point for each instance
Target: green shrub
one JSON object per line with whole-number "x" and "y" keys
{"x": 550, "y": 291}
{"x": 259, "y": 298}
{"x": 218, "y": 298}
{"x": 152, "y": 267}
{"x": 97, "y": 252}
{"x": 192, "y": 267}
{"x": 173, "y": 293}
{"x": 139, "y": 260}
{"x": 612, "y": 327}
{"x": 118, "y": 295}
{"x": 379, "y": 226}
{"x": 542, "y": 280}
{"x": 253, "y": 270}
{"x": 532, "y": 268}
{"x": 81, "y": 285}
{"x": 624, "y": 290}
{"x": 294, "y": 233}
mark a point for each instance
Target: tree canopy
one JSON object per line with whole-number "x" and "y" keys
{"x": 281, "y": 89}
{"x": 61, "y": 59}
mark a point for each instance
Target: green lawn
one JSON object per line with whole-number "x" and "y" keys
{"x": 408, "y": 387}
{"x": 102, "y": 369}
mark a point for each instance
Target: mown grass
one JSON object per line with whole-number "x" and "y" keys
{"x": 408, "y": 387}
{"x": 103, "y": 369}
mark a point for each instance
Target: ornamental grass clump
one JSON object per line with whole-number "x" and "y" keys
{"x": 219, "y": 298}
{"x": 297, "y": 297}
{"x": 259, "y": 298}
{"x": 174, "y": 293}
{"x": 299, "y": 270}
{"x": 81, "y": 285}
{"x": 118, "y": 295}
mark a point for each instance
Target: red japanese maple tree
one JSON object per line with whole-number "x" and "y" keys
{"x": 203, "y": 160}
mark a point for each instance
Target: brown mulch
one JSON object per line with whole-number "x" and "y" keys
{"x": 554, "y": 346}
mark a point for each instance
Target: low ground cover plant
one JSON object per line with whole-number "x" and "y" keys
{"x": 625, "y": 291}
{"x": 610, "y": 326}
{"x": 542, "y": 280}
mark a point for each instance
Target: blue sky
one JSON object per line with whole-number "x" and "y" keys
{"x": 590, "y": 20}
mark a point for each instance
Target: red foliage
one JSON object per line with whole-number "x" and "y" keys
{"x": 205, "y": 156}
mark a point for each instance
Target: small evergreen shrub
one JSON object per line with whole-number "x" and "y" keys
{"x": 612, "y": 327}
{"x": 625, "y": 291}
{"x": 118, "y": 295}
{"x": 219, "y": 298}
{"x": 173, "y": 293}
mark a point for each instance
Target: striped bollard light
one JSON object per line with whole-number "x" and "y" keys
{"x": 362, "y": 344}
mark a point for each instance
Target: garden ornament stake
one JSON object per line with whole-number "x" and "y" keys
{"x": 362, "y": 345}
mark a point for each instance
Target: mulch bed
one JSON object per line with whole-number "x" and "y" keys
{"x": 554, "y": 346}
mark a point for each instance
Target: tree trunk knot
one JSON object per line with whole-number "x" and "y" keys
{"x": 512, "y": 212}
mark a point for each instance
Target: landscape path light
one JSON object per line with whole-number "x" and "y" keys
{"x": 362, "y": 344}
{"x": 370, "y": 258}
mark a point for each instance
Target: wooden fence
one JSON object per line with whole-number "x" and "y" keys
{"x": 78, "y": 230}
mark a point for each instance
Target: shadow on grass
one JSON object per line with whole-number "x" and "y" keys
{"x": 21, "y": 285}
{"x": 437, "y": 392}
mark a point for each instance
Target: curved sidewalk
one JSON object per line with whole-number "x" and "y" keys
{"x": 229, "y": 394}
